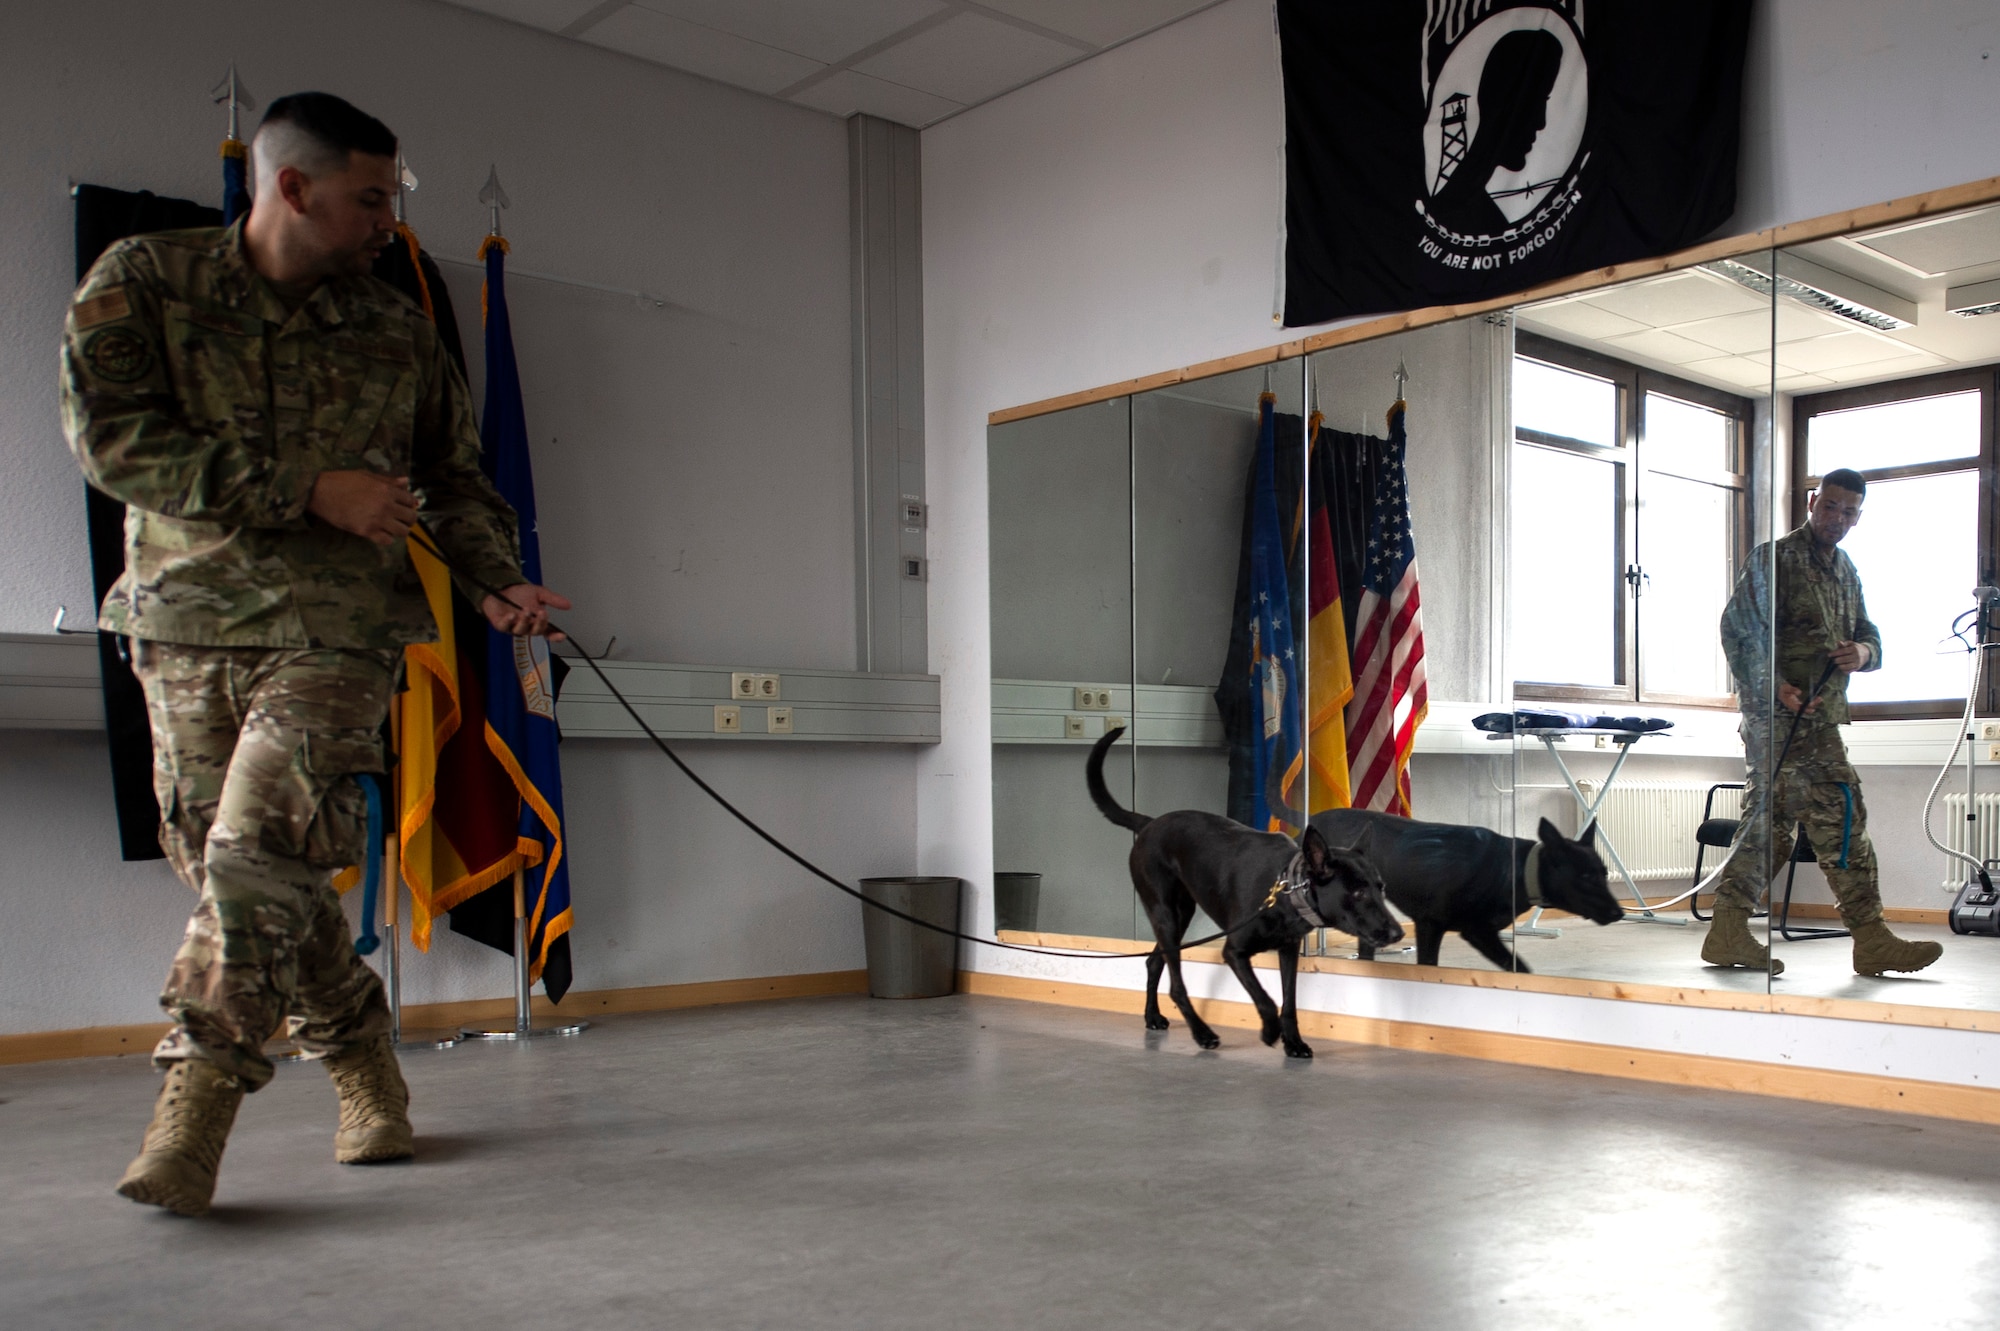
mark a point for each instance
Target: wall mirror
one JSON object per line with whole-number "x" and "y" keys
{"x": 1590, "y": 479}
{"x": 1640, "y": 481}
{"x": 1885, "y": 356}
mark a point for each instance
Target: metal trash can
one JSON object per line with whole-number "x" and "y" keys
{"x": 1016, "y": 899}
{"x": 904, "y": 959}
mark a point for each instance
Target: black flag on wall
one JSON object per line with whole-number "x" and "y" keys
{"x": 1439, "y": 151}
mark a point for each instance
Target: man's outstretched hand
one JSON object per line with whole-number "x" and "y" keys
{"x": 524, "y": 611}
{"x": 381, "y": 508}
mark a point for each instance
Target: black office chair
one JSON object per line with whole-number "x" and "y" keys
{"x": 1721, "y": 833}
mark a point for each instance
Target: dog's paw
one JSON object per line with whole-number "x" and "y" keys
{"x": 1156, "y": 1022}
{"x": 1271, "y": 1032}
{"x": 1208, "y": 1039}
{"x": 1298, "y": 1049}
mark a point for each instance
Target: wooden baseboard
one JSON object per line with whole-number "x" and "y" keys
{"x": 98, "y": 1041}
{"x": 1852, "y": 1089}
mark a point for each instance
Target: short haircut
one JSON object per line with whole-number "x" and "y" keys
{"x": 315, "y": 131}
{"x": 1845, "y": 479}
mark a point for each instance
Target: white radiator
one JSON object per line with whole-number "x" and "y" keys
{"x": 1652, "y": 823}
{"x": 1948, "y": 821}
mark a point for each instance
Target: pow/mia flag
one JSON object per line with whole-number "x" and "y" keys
{"x": 1439, "y": 151}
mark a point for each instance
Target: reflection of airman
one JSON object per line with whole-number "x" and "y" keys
{"x": 1821, "y": 621}
{"x": 275, "y": 420}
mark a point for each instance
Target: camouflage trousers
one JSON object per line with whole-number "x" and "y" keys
{"x": 255, "y": 753}
{"x": 1817, "y": 787}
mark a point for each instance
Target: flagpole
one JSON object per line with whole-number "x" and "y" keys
{"x": 523, "y": 1027}
{"x": 495, "y": 198}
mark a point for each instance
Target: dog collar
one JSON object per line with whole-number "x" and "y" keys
{"x": 1294, "y": 888}
{"x": 1531, "y": 872}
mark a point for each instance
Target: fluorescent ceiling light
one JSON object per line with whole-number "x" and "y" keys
{"x": 1824, "y": 289}
{"x": 1971, "y": 301}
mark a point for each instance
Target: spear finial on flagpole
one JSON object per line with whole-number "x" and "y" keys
{"x": 494, "y": 197}
{"x": 232, "y": 91}
{"x": 406, "y": 183}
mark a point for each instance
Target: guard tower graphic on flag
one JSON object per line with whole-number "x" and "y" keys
{"x": 1452, "y": 151}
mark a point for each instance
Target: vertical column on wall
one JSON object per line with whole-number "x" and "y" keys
{"x": 891, "y": 570}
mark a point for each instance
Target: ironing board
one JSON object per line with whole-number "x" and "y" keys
{"x": 1624, "y": 738}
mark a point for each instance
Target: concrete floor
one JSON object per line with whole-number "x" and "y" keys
{"x": 964, "y": 1162}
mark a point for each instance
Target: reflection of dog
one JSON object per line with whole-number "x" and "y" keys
{"x": 1446, "y": 877}
{"x": 1277, "y": 890}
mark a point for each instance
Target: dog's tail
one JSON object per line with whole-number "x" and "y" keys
{"x": 1093, "y": 772}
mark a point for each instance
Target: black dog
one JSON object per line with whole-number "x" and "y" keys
{"x": 1265, "y": 890}
{"x": 1446, "y": 877}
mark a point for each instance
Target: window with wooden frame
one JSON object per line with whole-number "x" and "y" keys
{"x": 1925, "y": 446}
{"x": 1628, "y": 498}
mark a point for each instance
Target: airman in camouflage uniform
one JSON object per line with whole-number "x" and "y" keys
{"x": 273, "y": 440}
{"x": 1821, "y": 620}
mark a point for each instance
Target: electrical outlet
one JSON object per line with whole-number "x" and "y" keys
{"x": 742, "y": 684}
{"x": 913, "y": 512}
{"x": 1993, "y": 753}
{"x": 767, "y": 687}
{"x": 1989, "y": 730}
{"x": 1092, "y": 700}
{"x": 728, "y": 719}
{"x": 1112, "y": 723}
{"x": 1072, "y": 727}
{"x": 778, "y": 720}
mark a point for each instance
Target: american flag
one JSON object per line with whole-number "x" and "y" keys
{"x": 1390, "y": 697}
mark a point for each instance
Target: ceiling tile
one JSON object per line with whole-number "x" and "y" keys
{"x": 667, "y": 40}
{"x": 969, "y": 59}
{"x": 1657, "y": 345}
{"x": 1578, "y": 318}
{"x": 1680, "y": 298}
{"x": 549, "y": 15}
{"x": 1839, "y": 351}
{"x": 813, "y": 28}
{"x": 1749, "y": 331}
{"x": 1941, "y": 245}
{"x": 1099, "y": 22}
{"x": 845, "y": 92}
{"x": 1732, "y": 370}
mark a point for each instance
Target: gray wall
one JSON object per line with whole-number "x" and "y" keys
{"x": 694, "y": 464}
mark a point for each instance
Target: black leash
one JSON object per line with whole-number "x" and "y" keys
{"x": 423, "y": 539}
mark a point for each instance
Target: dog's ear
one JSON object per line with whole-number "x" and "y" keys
{"x": 1589, "y": 837}
{"x": 1549, "y": 836}
{"x": 1319, "y": 856}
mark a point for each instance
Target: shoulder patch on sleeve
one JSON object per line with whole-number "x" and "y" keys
{"x": 118, "y": 355}
{"x": 103, "y": 308}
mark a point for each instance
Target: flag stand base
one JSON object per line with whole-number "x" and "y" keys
{"x": 392, "y": 965}
{"x": 523, "y": 1027}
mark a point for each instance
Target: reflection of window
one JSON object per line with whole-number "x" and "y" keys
{"x": 1921, "y": 444}
{"x": 1627, "y": 498}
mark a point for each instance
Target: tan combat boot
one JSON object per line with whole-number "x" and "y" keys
{"x": 1729, "y": 943}
{"x": 191, "y": 1121}
{"x": 374, "y": 1105}
{"x": 1877, "y": 950}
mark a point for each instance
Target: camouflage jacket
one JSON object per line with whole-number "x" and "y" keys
{"x": 192, "y": 395}
{"x": 1819, "y": 606}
